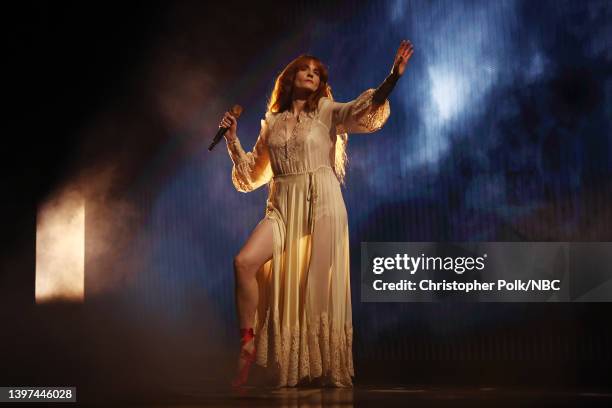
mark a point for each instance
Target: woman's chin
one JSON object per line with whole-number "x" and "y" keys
{"x": 304, "y": 90}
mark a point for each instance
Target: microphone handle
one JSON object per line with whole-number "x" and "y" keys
{"x": 217, "y": 138}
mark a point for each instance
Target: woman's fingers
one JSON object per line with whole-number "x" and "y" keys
{"x": 408, "y": 50}
{"x": 230, "y": 117}
{"x": 401, "y": 49}
{"x": 225, "y": 121}
{"x": 228, "y": 120}
{"x": 404, "y": 49}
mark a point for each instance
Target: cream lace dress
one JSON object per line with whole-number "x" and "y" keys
{"x": 303, "y": 323}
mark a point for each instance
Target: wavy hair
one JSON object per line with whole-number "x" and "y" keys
{"x": 281, "y": 97}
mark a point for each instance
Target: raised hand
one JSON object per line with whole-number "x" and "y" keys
{"x": 404, "y": 52}
{"x": 229, "y": 121}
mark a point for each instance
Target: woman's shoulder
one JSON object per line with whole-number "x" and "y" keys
{"x": 269, "y": 119}
{"x": 270, "y": 115}
{"x": 324, "y": 101}
{"x": 325, "y": 104}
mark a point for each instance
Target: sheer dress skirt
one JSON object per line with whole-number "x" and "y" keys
{"x": 303, "y": 322}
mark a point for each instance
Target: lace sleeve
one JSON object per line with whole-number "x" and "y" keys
{"x": 252, "y": 169}
{"x": 360, "y": 115}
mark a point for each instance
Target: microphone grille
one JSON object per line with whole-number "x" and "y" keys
{"x": 236, "y": 111}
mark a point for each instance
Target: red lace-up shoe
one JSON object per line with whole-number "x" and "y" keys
{"x": 246, "y": 335}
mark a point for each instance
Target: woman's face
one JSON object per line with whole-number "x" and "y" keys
{"x": 308, "y": 77}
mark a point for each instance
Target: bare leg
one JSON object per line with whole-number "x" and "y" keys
{"x": 256, "y": 251}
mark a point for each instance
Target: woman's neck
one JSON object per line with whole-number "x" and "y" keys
{"x": 297, "y": 106}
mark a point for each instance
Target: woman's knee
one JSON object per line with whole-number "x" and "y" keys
{"x": 244, "y": 268}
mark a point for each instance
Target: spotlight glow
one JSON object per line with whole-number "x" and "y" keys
{"x": 446, "y": 92}
{"x": 60, "y": 249}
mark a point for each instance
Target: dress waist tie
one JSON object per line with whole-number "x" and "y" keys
{"x": 311, "y": 195}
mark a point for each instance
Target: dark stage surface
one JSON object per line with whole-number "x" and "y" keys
{"x": 386, "y": 395}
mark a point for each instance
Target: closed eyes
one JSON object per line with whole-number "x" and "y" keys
{"x": 305, "y": 68}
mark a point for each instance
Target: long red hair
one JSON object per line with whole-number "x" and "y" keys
{"x": 281, "y": 97}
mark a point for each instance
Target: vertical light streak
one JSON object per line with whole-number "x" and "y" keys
{"x": 60, "y": 249}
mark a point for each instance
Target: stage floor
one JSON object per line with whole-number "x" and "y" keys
{"x": 387, "y": 396}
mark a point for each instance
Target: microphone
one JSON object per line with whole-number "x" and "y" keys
{"x": 236, "y": 111}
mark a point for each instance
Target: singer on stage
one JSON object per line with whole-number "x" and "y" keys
{"x": 293, "y": 293}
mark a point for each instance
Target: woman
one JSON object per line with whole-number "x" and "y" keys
{"x": 293, "y": 294}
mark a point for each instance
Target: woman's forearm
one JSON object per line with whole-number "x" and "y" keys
{"x": 231, "y": 138}
{"x": 384, "y": 90}
{"x": 234, "y": 147}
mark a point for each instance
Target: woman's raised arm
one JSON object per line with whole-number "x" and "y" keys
{"x": 370, "y": 110}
